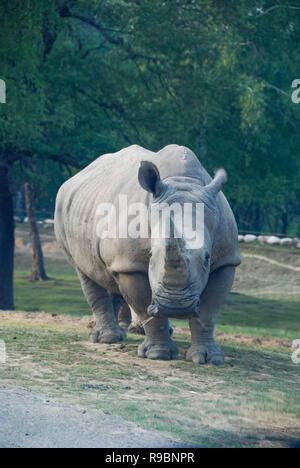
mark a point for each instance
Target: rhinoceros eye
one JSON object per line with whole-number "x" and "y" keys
{"x": 150, "y": 254}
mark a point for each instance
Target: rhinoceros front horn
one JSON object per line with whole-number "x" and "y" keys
{"x": 217, "y": 183}
{"x": 175, "y": 244}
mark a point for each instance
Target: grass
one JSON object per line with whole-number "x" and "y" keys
{"x": 58, "y": 296}
{"x": 251, "y": 401}
{"x": 240, "y": 314}
{"x": 244, "y": 403}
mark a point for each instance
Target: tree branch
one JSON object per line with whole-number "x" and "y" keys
{"x": 275, "y": 7}
{"x": 279, "y": 91}
{"x": 65, "y": 12}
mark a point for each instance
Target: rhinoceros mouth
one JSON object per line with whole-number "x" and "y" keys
{"x": 173, "y": 303}
{"x": 173, "y": 311}
{"x": 170, "y": 303}
{"x": 182, "y": 297}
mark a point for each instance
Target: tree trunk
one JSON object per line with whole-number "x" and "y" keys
{"x": 7, "y": 243}
{"x": 259, "y": 220}
{"x": 284, "y": 223}
{"x": 203, "y": 135}
{"x": 38, "y": 271}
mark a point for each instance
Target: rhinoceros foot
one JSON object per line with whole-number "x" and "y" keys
{"x": 136, "y": 329}
{"x": 205, "y": 353}
{"x": 108, "y": 336}
{"x": 164, "y": 351}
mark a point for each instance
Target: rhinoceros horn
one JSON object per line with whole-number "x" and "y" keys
{"x": 175, "y": 268}
{"x": 176, "y": 272}
{"x": 175, "y": 244}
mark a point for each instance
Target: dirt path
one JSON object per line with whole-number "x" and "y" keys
{"x": 273, "y": 262}
{"x": 30, "y": 421}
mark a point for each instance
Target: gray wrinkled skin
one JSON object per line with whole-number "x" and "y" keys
{"x": 156, "y": 278}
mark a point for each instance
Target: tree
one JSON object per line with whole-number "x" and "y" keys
{"x": 85, "y": 78}
{"x": 6, "y": 242}
{"x": 27, "y": 35}
{"x": 38, "y": 272}
{"x": 205, "y": 74}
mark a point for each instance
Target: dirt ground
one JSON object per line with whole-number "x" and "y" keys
{"x": 250, "y": 401}
{"x": 30, "y": 421}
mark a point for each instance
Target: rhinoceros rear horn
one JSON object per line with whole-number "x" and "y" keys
{"x": 218, "y": 182}
{"x": 149, "y": 178}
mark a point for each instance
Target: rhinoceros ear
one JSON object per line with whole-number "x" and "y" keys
{"x": 149, "y": 178}
{"x": 217, "y": 183}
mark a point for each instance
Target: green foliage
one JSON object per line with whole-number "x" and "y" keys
{"x": 89, "y": 77}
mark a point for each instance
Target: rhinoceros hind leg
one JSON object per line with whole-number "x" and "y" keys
{"x": 107, "y": 329}
{"x": 122, "y": 311}
{"x": 204, "y": 348}
{"x": 136, "y": 324}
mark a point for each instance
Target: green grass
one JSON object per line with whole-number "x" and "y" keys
{"x": 260, "y": 316}
{"x": 58, "y": 296}
{"x": 55, "y": 267}
{"x": 253, "y": 400}
{"x": 240, "y": 314}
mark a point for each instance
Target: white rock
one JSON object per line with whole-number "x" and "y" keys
{"x": 298, "y": 245}
{"x": 273, "y": 240}
{"x": 296, "y": 240}
{"x": 249, "y": 238}
{"x": 286, "y": 241}
{"x": 240, "y": 238}
{"x": 48, "y": 221}
{"x": 261, "y": 239}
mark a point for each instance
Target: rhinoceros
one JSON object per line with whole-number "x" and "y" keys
{"x": 159, "y": 279}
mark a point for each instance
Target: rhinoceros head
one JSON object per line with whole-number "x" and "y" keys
{"x": 178, "y": 272}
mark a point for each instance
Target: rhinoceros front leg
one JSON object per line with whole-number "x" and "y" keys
{"x": 204, "y": 348}
{"x": 107, "y": 329}
{"x": 158, "y": 344}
